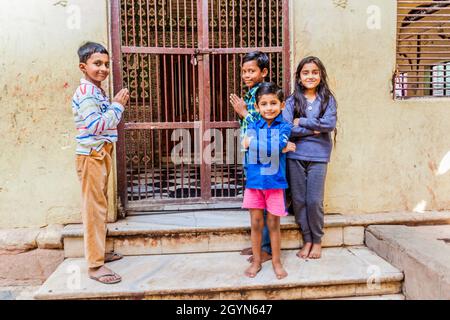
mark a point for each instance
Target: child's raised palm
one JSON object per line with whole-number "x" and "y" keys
{"x": 239, "y": 105}
{"x": 122, "y": 97}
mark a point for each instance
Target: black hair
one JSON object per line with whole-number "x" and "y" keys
{"x": 323, "y": 90}
{"x": 269, "y": 88}
{"x": 88, "y": 49}
{"x": 262, "y": 60}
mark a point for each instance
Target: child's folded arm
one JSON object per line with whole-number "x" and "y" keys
{"x": 288, "y": 116}
{"x": 297, "y": 132}
{"x": 326, "y": 123}
{"x": 95, "y": 122}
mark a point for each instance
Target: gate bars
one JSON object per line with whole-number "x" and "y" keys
{"x": 181, "y": 60}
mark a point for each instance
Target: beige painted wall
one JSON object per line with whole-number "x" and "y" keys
{"x": 39, "y": 73}
{"x": 388, "y": 152}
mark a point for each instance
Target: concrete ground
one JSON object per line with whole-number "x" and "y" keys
{"x": 18, "y": 292}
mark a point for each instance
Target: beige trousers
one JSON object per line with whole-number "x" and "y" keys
{"x": 93, "y": 172}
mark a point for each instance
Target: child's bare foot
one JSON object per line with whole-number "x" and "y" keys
{"x": 304, "y": 252}
{"x": 264, "y": 257}
{"x": 280, "y": 272}
{"x": 316, "y": 251}
{"x": 253, "y": 270}
{"x": 247, "y": 251}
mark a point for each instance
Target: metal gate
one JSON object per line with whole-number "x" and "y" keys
{"x": 181, "y": 60}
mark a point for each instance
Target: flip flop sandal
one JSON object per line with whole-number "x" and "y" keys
{"x": 112, "y": 256}
{"x": 106, "y": 275}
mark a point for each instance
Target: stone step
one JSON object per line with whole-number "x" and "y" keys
{"x": 189, "y": 232}
{"x": 380, "y": 297}
{"x": 226, "y": 230}
{"x": 341, "y": 272}
{"x": 421, "y": 252}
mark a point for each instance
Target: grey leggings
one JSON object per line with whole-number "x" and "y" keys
{"x": 307, "y": 182}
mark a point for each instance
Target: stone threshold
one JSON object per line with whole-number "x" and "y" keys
{"x": 342, "y": 272}
{"x": 380, "y": 297}
{"x": 221, "y": 231}
{"x": 238, "y": 220}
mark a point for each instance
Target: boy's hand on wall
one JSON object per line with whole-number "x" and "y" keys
{"x": 317, "y": 132}
{"x": 239, "y": 105}
{"x": 290, "y": 147}
{"x": 122, "y": 97}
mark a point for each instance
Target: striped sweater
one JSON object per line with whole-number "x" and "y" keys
{"x": 95, "y": 118}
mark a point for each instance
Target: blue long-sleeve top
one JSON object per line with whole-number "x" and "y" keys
{"x": 310, "y": 146}
{"x": 266, "y": 167}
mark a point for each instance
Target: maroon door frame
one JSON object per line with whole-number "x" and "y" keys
{"x": 203, "y": 54}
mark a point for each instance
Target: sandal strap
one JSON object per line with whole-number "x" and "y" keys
{"x": 108, "y": 275}
{"x": 114, "y": 254}
{"x": 105, "y": 275}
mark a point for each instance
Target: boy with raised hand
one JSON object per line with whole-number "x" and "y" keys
{"x": 96, "y": 120}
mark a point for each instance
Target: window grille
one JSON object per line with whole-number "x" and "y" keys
{"x": 423, "y": 49}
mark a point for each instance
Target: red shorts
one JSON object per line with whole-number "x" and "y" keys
{"x": 272, "y": 200}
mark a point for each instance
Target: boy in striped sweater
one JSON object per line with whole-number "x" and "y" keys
{"x": 96, "y": 121}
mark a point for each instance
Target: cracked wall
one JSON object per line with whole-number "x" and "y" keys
{"x": 390, "y": 155}
{"x": 39, "y": 73}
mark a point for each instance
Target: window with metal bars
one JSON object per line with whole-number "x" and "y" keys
{"x": 423, "y": 49}
{"x": 441, "y": 80}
